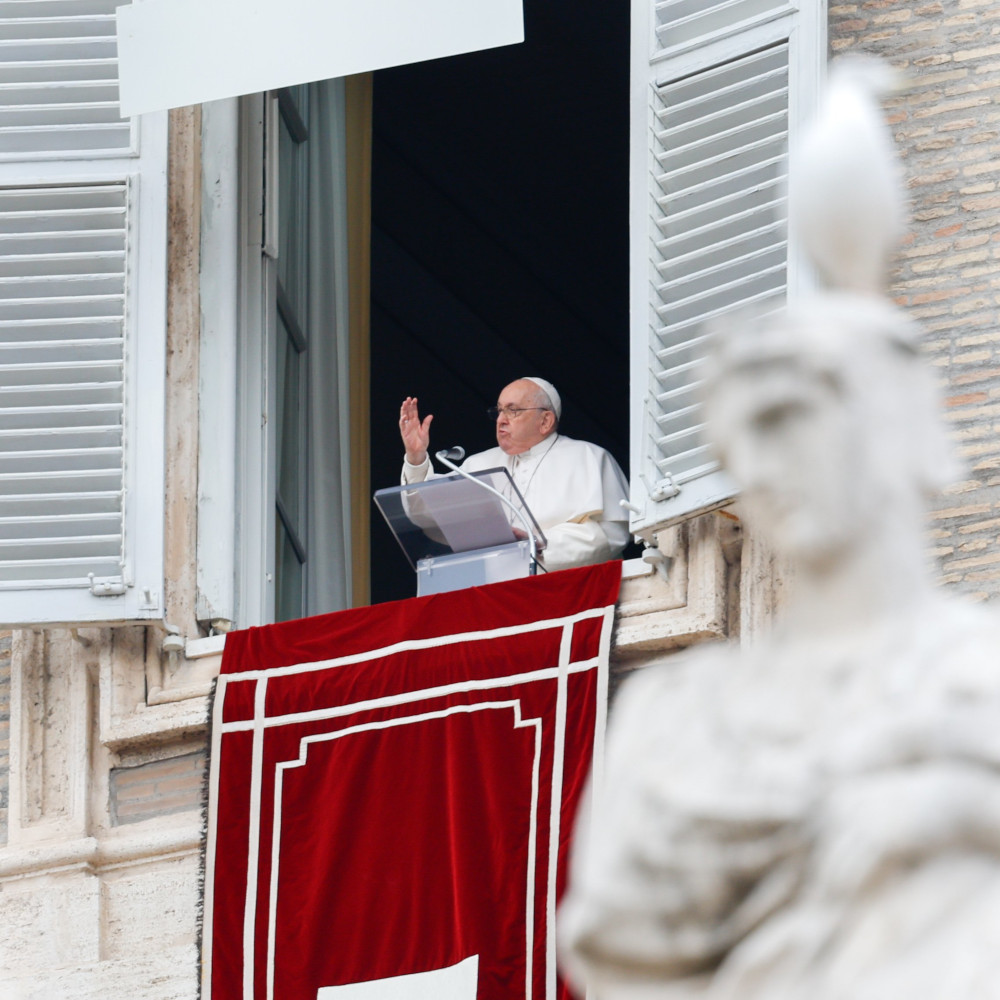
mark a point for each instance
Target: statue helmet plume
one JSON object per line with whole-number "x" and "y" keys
{"x": 846, "y": 201}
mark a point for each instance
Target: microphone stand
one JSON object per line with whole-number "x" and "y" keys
{"x": 459, "y": 453}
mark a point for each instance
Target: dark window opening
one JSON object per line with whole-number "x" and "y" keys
{"x": 500, "y": 240}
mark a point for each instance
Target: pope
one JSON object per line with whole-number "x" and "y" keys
{"x": 573, "y": 488}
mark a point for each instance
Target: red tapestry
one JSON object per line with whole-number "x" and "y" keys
{"x": 392, "y": 791}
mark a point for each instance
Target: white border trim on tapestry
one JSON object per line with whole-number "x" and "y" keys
{"x": 259, "y": 723}
{"x": 306, "y": 741}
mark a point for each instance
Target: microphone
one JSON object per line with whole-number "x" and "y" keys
{"x": 455, "y": 454}
{"x": 450, "y": 456}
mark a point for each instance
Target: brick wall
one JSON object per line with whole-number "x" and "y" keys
{"x": 156, "y": 788}
{"x": 947, "y": 127}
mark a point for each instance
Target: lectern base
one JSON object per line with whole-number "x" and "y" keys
{"x": 438, "y": 574}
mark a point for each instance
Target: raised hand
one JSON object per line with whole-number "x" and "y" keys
{"x": 416, "y": 434}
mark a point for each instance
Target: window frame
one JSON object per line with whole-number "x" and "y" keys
{"x": 253, "y": 561}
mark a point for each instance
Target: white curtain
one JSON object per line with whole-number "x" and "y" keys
{"x": 328, "y": 568}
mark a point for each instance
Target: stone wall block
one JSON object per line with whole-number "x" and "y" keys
{"x": 50, "y": 922}
{"x": 51, "y": 722}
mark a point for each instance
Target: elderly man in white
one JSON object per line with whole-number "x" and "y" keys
{"x": 573, "y": 488}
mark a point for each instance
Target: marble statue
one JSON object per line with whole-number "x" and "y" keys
{"x": 815, "y": 815}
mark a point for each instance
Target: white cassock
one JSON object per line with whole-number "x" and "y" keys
{"x": 574, "y": 489}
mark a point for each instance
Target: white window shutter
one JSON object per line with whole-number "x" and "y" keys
{"x": 179, "y": 52}
{"x": 82, "y": 324}
{"x": 716, "y": 89}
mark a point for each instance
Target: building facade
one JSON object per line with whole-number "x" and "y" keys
{"x": 103, "y": 695}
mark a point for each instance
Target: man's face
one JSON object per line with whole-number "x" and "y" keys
{"x": 516, "y": 434}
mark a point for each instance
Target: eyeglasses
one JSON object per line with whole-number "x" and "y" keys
{"x": 511, "y": 412}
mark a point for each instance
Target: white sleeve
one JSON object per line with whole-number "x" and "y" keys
{"x": 580, "y": 543}
{"x": 617, "y": 535}
{"x": 415, "y": 473}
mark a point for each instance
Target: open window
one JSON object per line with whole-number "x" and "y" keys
{"x": 283, "y": 488}
{"x": 500, "y": 240}
{"x": 717, "y": 90}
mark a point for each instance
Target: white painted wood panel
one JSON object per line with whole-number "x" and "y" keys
{"x": 717, "y": 91}
{"x": 178, "y": 52}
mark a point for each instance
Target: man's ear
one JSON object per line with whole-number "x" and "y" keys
{"x": 548, "y": 422}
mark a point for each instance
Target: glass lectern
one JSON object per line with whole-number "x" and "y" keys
{"x": 457, "y": 534}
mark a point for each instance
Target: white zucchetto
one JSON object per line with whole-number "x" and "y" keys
{"x": 550, "y": 390}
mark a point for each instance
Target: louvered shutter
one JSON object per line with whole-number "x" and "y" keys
{"x": 82, "y": 321}
{"x": 717, "y": 87}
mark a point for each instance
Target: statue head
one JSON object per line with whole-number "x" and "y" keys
{"x": 825, "y": 415}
